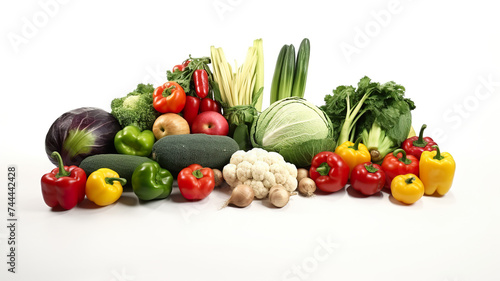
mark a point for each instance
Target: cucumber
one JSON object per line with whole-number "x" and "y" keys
{"x": 300, "y": 79}
{"x": 287, "y": 72}
{"x": 176, "y": 152}
{"x": 275, "y": 86}
{"x": 122, "y": 164}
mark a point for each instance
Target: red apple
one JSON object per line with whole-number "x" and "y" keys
{"x": 210, "y": 123}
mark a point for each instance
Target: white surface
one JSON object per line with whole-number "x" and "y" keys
{"x": 89, "y": 52}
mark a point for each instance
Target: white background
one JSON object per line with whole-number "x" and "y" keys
{"x": 57, "y": 57}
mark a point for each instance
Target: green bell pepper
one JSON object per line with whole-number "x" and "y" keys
{"x": 132, "y": 141}
{"x": 150, "y": 181}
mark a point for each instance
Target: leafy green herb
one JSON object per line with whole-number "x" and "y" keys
{"x": 379, "y": 113}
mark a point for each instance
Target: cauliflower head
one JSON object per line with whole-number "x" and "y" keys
{"x": 261, "y": 170}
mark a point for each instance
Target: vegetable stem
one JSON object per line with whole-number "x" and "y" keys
{"x": 377, "y": 142}
{"x": 238, "y": 87}
{"x": 62, "y": 172}
{"x": 111, "y": 180}
{"x": 410, "y": 180}
{"x": 420, "y": 142}
{"x": 438, "y": 153}
{"x": 351, "y": 118}
{"x": 168, "y": 91}
{"x": 323, "y": 169}
{"x": 259, "y": 73}
{"x": 356, "y": 144}
{"x": 370, "y": 168}
{"x": 403, "y": 157}
{"x": 197, "y": 174}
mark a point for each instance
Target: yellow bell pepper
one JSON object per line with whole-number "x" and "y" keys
{"x": 353, "y": 153}
{"x": 104, "y": 186}
{"x": 407, "y": 188}
{"x": 437, "y": 171}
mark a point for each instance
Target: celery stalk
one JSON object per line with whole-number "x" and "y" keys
{"x": 259, "y": 73}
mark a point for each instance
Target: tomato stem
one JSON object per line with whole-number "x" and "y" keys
{"x": 168, "y": 91}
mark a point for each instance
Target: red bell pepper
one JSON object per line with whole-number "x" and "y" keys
{"x": 201, "y": 84}
{"x": 191, "y": 109}
{"x": 170, "y": 97}
{"x": 367, "y": 178}
{"x": 208, "y": 104}
{"x": 63, "y": 186}
{"x": 416, "y": 145}
{"x": 196, "y": 182}
{"x": 329, "y": 171}
{"x": 399, "y": 163}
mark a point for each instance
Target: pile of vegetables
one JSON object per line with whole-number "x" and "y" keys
{"x": 409, "y": 172}
{"x": 205, "y": 127}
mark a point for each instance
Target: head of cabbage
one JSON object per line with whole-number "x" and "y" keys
{"x": 295, "y": 128}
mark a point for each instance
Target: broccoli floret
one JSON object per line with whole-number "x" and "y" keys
{"x": 136, "y": 108}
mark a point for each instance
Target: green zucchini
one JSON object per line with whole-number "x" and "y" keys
{"x": 275, "y": 86}
{"x": 122, "y": 164}
{"x": 176, "y": 152}
{"x": 287, "y": 72}
{"x": 300, "y": 78}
